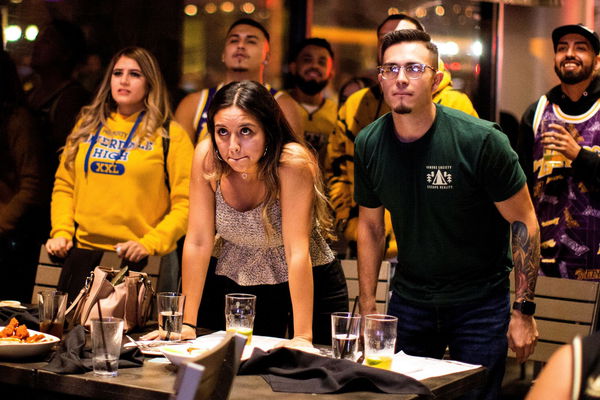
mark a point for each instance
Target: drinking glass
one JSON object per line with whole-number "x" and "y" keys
{"x": 240, "y": 309}
{"x": 52, "y": 305}
{"x": 170, "y": 315}
{"x": 552, "y": 157}
{"x": 380, "y": 340}
{"x": 345, "y": 330}
{"x": 107, "y": 334}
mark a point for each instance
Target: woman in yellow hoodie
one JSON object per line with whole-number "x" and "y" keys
{"x": 123, "y": 181}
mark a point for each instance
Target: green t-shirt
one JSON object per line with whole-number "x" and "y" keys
{"x": 453, "y": 244}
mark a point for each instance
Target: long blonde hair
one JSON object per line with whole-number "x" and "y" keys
{"x": 156, "y": 102}
{"x": 255, "y": 99}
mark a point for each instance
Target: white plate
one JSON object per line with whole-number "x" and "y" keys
{"x": 151, "y": 347}
{"x": 22, "y": 350}
{"x": 11, "y": 303}
{"x": 178, "y": 354}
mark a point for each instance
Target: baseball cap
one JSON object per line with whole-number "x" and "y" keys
{"x": 580, "y": 29}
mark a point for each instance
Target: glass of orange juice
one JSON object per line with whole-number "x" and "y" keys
{"x": 380, "y": 340}
{"x": 240, "y": 309}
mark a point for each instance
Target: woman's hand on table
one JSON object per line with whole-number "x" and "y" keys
{"x": 187, "y": 332}
{"x": 150, "y": 335}
{"x": 298, "y": 342}
{"x": 59, "y": 246}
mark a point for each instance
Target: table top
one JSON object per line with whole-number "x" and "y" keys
{"x": 155, "y": 381}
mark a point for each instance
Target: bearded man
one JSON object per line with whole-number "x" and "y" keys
{"x": 558, "y": 145}
{"x": 311, "y": 70}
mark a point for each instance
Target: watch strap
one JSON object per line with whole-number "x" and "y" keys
{"x": 526, "y": 307}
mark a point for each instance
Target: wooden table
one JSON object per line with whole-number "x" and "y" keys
{"x": 155, "y": 382}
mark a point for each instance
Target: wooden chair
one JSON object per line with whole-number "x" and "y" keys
{"x": 211, "y": 377}
{"x": 565, "y": 308}
{"x": 382, "y": 296}
{"x": 48, "y": 270}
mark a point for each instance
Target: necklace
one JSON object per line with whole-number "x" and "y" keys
{"x": 244, "y": 175}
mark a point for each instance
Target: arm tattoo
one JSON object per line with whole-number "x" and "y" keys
{"x": 526, "y": 258}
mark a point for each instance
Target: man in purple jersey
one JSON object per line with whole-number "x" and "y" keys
{"x": 565, "y": 186}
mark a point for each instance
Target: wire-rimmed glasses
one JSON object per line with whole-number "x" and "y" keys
{"x": 412, "y": 71}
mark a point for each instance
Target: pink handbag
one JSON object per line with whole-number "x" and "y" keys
{"x": 129, "y": 299}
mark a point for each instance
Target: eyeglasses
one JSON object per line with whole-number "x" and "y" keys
{"x": 412, "y": 71}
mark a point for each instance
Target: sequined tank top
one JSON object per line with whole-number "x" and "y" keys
{"x": 247, "y": 255}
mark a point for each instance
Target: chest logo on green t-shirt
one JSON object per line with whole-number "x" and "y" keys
{"x": 439, "y": 177}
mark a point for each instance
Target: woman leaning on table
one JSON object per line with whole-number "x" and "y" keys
{"x": 116, "y": 188}
{"x": 257, "y": 186}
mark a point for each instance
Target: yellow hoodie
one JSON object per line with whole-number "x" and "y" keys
{"x": 127, "y": 199}
{"x": 360, "y": 109}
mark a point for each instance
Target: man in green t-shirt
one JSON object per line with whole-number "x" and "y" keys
{"x": 456, "y": 194}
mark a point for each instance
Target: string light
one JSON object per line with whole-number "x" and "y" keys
{"x": 477, "y": 48}
{"x": 12, "y": 33}
{"x": 190, "y": 10}
{"x": 31, "y": 32}
{"x": 210, "y": 8}
{"x": 248, "y": 8}
{"x": 227, "y": 7}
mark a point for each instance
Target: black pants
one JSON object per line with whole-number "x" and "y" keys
{"x": 273, "y": 303}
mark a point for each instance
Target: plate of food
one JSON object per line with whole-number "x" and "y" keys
{"x": 178, "y": 354}
{"x": 152, "y": 347}
{"x": 17, "y": 341}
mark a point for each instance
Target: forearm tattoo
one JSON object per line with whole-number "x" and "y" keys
{"x": 526, "y": 258}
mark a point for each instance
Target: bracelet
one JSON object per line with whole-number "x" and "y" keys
{"x": 190, "y": 325}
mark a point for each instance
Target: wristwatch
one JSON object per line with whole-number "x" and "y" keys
{"x": 525, "y": 306}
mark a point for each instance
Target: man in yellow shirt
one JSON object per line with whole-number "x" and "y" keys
{"x": 311, "y": 69}
{"x": 245, "y": 55}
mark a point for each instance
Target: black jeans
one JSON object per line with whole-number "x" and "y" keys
{"x": 273, "y": 303}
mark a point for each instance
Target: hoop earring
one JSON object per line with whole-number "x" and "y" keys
{"x": 218, "y": 155}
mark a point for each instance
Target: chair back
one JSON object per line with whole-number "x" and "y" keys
{"x": 565, "y": 308}
{"x": 219, "y": 367}
{"x": 382, "y": 295}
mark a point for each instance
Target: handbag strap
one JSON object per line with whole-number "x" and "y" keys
{"x": 79, "y": 301}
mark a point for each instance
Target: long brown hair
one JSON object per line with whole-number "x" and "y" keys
{"x": 156, "y": 102}
{"x": 255, "y": 99}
